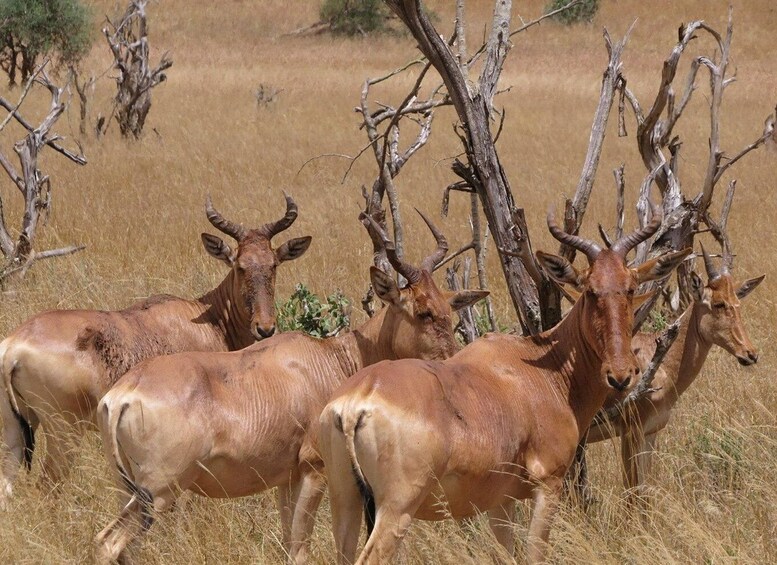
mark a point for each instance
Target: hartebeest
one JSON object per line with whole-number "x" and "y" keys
{"x": 713, "y": 318}
{"x": 57, "y": 365}
{"x": 498, "y": 421}
{"x": 234, "y": 424}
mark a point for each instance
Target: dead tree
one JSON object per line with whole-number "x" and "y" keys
{"x": 84, "y": 89}
{"x": 532, "y": 294}
{"x": 34, "y": 186}
{"x": 659, "y": 148}
{"x": 684, "y": 217}
{"x": 385, "y": 143}
{"x": 467, "y": 327}
{"x": 128, "y": 41}
{"x": 383, "y": 124}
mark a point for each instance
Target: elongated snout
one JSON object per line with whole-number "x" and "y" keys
{"x": 749, "y": 357}
{"x": 620, "y": 378}
{"x": 261, "y": 332}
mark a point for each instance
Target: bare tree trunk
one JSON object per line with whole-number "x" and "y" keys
{"x": 34, "y": 186}
{"x": 485, "y": 171}
{"x": 128, "y": 41}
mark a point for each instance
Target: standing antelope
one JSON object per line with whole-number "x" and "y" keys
{"x": 498, "y": 421}
{"x": 234, "y": 424}
{"x": 713, "y": 318}
{"x": 57, "y": 365}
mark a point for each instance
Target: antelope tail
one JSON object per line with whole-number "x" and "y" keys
{"x": 110, "y": 424}
{"x": 9, "y": 396}
{"x": 349, "y": 430}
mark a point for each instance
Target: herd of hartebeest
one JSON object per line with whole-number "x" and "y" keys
{"x": 393, "y": 416}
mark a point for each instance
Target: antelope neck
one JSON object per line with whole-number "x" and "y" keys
{"x": 687, "y": 355}
{"x": 227, "y": 312}
{"x": 578, "y": 365}
{"x": 369, "y": 343}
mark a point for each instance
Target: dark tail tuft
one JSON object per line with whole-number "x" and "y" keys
{"x": 29, "y": 439}
{"x": 369, "y": 503}
{"x": 144, "y": 496}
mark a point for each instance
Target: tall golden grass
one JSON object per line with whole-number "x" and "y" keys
{"x": 138, "y": 206}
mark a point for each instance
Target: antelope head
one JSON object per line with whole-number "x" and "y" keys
{"x": 721, "y": 319}
{"x": 607, "y": 293}
{"x": 419, "y": 319}
{"x": 254, "y": 261}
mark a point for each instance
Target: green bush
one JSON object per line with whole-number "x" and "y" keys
{"x": 584, "y": 11}
{"x": 351, "y": 17}
{"x": 31, "y": 29}
{"x": 304, "y": 311}
{"x": 656, "y": 322}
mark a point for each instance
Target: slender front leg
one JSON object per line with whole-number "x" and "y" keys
{"x": 546, "y": 497}
{"x": 305, "y": 506}
{"x": 61, "y": 433}
{"x": 576, "y": 481}
{"x": 633, "y": 447}
{"x": 501, "y": 520}
{"x": 285, "y": 509}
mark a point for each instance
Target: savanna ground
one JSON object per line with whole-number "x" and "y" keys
{"x": 139, "y": 209}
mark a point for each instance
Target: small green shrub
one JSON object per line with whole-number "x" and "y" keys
{"x": 584, "y": 11}
{"x": 351, "y": 17}
{"x": 656, "y": 322}
{"x": 304, "y": 311}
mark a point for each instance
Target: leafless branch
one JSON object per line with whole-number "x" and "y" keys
{"x": 612, "y": 80}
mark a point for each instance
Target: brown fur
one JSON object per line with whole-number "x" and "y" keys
{"x": 234, "y": 424}
{"x": 119, "y": 351}
{"x": 65, "y": 360}
{"x": 499, "y": 421}
{"x": 713, "y": 318}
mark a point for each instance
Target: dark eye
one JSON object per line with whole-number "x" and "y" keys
{"x": 630, "y": 292}
{"x": 719, "y": 305}
{"x": 425, "y": 315}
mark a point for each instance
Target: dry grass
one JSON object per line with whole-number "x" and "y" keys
{"x": 139, "y": 209}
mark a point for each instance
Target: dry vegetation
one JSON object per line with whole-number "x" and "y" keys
{"x": 139, "y": 209}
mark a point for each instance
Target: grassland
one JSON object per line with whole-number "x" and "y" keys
{"x": 139, "y": 209}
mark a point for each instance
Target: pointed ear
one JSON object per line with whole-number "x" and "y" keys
{"x": 749, "y": 286}
{"x": 640, "y": 299}
{"x": 561, "y": 270}
{"x": 661, "y": 266}
{"x": 697, "y": 287}
{"x": 385, "y": 287}
{"x": 216, "y": 247}
{"x": 463, "y": 298}
{"x": 293, "y": 249}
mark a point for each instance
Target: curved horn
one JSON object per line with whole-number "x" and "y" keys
{"x": 221, "y": 223}
{"x": 274, "y": 228}
{"x": 430, "y": 262}
{"x": 605, "y": 236}
{"x": 628, "y": 242}
{"x": 709, "y": 266}
{"x": 586, "y": 246}
{"x": 411, "y": 273}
